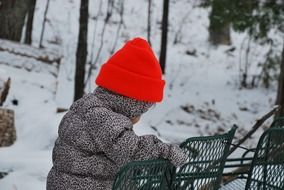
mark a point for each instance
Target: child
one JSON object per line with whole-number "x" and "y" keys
{"x": 96, "y": 136}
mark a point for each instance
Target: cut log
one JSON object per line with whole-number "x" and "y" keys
{"x": 46, "y": 56}
{"x": 27, "y": 63}
{"x": 7, "y": 127}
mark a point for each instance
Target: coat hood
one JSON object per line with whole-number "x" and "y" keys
{"x": 102, "y": 97}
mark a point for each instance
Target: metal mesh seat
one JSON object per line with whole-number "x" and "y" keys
{"x": 205, "y": 163}
{"x": 144, "y": 175}
{"x": 237, "y": 184}
{"x": 267, "y": 167}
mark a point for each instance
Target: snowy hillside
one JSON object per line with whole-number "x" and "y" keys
{"x": 202, "y": 94}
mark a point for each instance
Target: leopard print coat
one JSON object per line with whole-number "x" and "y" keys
{"x": 96, "y": 139}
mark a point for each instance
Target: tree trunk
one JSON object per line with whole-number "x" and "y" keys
{"x": 164, "y": 39}
{"x": 12, "y": 18}
{"x": 81, "y": 54}
{"x": 280, "y": 92}
{"x": 43, "y": 24}
{"x": 219, "y": 28}
{"x": 29, "y": 27}
{"x": 4, "y": 91}
{"x": 220, "y": 36}
{"x": 149, "y": 21}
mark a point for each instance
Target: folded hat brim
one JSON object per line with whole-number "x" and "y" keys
{"x": 130, "y": 84}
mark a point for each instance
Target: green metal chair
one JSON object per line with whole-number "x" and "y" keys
{"x": 205, "y": 163}
{"x": 278, "y": 122}
{"x": 144, "y": 175}
{"x": 266, "y": 171}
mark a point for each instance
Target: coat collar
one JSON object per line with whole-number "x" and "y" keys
{"x": 120, "y": 104}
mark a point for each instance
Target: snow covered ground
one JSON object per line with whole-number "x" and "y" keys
{"x": 202, "y": 95}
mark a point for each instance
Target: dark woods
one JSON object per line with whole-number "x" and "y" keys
{"x": 12, "y": 17}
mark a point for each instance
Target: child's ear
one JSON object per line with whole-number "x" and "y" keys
{"x": 135, "y": 119}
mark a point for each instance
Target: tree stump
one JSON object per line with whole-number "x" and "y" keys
{"x": 7, "y": 127}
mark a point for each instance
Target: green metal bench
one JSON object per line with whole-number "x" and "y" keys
{"x": 206, "y": 157}
{"x": 266, "y": 170}
{"x": 144, "y": 175}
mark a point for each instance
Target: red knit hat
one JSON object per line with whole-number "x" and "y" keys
{"x": 133, "y": 71}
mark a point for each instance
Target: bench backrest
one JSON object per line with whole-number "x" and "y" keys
{"x": 267, "y": 168}
{"x": 205, "y": 163}
{"x": 278, "y": 122}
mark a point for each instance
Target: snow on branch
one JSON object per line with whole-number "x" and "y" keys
{"x": 46, "y": 56}
{"x": 29, "y": 58}
{"x": 257, "y": 124}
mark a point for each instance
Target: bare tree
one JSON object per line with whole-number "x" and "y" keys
{"x": 81, "y": 54}
{"x": 12, "y": 18}
{"x": 280, "y": 92}
{"x": 110, "y": 6}
{"x": 164, "y": 39}
{"x": 29, "y": 26}
{"x": 43, "y": 24}
{"x": 121, "y": 22}
{"x": 149, "y": 21}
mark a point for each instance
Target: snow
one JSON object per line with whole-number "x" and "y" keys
{"x": 207, "y": 83}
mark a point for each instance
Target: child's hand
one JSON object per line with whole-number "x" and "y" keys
{"x": 177, "y": 156}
